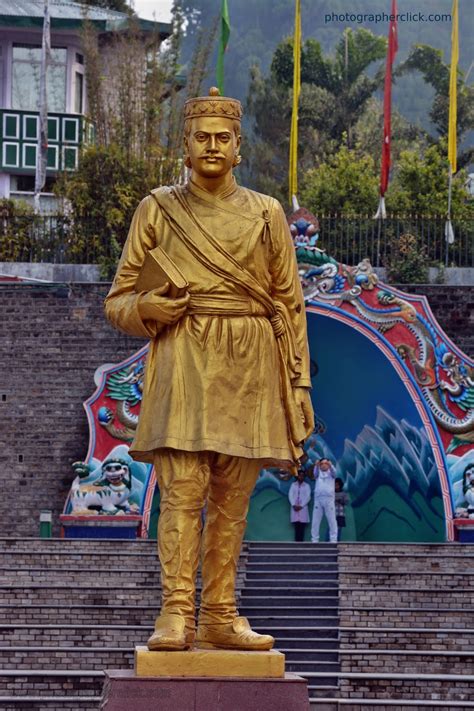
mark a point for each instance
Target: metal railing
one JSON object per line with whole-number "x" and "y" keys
{"x": 351, "y": 239}
{"x": 60, "y": 239}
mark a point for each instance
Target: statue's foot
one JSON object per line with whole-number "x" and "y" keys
{"x": 235, "y": 635}
{"x": 171, "y": 634}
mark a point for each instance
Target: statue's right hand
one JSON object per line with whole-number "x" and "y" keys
{"x": 155, "y": 306}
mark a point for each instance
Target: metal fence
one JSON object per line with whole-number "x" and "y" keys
{"x": 60, "y": 239}
{"x": 384, "y": 242}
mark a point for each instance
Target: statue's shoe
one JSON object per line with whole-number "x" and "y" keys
{"x": 235, "y": 635}
{"x": 171, "y": 634}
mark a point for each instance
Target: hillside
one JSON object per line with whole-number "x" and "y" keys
{"x": 257, "y": 28}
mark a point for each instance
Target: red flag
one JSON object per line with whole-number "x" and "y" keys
{"x": 387, "y": 102}
{"x": 387, "y": 111}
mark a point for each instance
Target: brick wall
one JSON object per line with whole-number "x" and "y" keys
{"x": 54, "y": 338}
{"x": 453, "y": 307}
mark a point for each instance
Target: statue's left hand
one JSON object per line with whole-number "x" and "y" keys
{"x": 303, "y": 400}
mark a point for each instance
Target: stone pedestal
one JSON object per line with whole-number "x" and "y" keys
{"x": 124, "y": 691}
{"x": 122, "y": 526}
{"x": 210, "y": 663}
{"x": 464, "y": 528}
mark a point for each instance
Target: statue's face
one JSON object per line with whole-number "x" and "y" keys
{"x": 212, "y": 146}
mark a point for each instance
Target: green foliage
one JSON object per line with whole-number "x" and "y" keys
{"x": 429, "y": 62}
{"x": 408, "y": 262}
{"x": 368, "y": 133}
{"x": 136, "y": 107}
{"x": 16, "y": 224}
{"x": 333, "y": 96}
{"x": 346, "y": 184}
{"x": 256, "y": 29}
{"x": 419, "y": 186}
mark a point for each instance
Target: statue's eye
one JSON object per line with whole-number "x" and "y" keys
{"x": 224, "y": 137}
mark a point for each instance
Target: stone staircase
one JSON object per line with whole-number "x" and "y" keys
{"x": 395, "y": 628}
{"x": 291, "y": 591}
{"x": 68, "y": 610}
{"x": 370, "y": 626}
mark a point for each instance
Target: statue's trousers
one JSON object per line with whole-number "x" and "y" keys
{"x": 186, "y": 481}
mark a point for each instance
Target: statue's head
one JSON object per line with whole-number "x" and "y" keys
{"x": 212, "y": 134}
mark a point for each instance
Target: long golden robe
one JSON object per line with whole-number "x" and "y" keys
{"x": 212, "y": 381}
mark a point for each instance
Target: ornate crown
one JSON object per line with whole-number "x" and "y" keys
{"x": 214, "y": 106}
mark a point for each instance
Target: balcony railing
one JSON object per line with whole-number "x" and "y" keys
{"x": 19, "y": 139}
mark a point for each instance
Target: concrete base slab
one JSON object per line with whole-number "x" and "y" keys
{"x": 124, "y": 691}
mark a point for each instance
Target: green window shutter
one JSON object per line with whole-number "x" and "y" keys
{"x": 30, "y": 127}
{"x": 52, "y": 162}
{"x": 11, "y": 155}
{"x": 53, "y": 129}
{"x": 29, "y": 156}
{"x": 11, "y": 126}
{"x": 70, "y": 158}
{"x": 70, "y": 130}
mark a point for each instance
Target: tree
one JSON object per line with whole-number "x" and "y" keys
{"x": 419, "y": 186}
{"x": 368, "y": 133}
{"x": 346, "y": 184}
{"x": 136, "y": 107}
{"x": 335, "y": 90}
{"x": 428, "y": 61}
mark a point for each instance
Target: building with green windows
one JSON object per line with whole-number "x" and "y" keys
{"x": 21, "y": 26}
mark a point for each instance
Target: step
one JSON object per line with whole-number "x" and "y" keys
{"x": 321, "y": 641}
{"x": 303, "y": 603}
{"x": 304, "y": 667}
{"x": 64, "y": 658}
{"x": 294, "y": 545}
{"x": 35, "y": 614}
{"x": 89, "y": 594}
{"x": 296, "y": 622}
{"x": 78, "y": 635}
{"x": 327, "y": 703}
{"x": 272, "y": 578}
{"x": 95, "y": 614}
{"x": 451, "y": 639}
{"x": 282, "y": 633}
{"x": 79, "y": 576}
{"x": 49, "y": 682}
{"x": 444, "y": 687}
{"x": 408, "y": 661}
{"x": 50, "y": 703}
{"x": 306, "y": 589}
{"x": 295, "y": 566}
{"x": 297, "y": 557}
{"x": 324, "y": 610}
{"x": 310, "y": 655}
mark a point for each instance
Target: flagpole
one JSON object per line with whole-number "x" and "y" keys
{"x": 452, "y": 123}
{"x": 293, "y": 167}
{"x": 42, "y": 145}
{"x": 223, "y": 40}
{"x": 392, "y": 48}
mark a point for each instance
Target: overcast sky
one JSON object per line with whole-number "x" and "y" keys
{"x": 152, "y": 9}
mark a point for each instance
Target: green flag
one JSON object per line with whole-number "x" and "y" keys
{"x": 224, "y": 38}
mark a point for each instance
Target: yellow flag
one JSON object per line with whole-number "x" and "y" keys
{"x": 293, "y": 172}
{"x": 453, "y": 99}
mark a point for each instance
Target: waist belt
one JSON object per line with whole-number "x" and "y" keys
{"x": 227, "y": 306}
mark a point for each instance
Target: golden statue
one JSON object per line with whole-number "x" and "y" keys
{"x": 226, "y": 388}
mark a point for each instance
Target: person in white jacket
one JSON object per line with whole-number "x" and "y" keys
{"x": 324, "y": 499}
{"x": 299, "y": 496}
